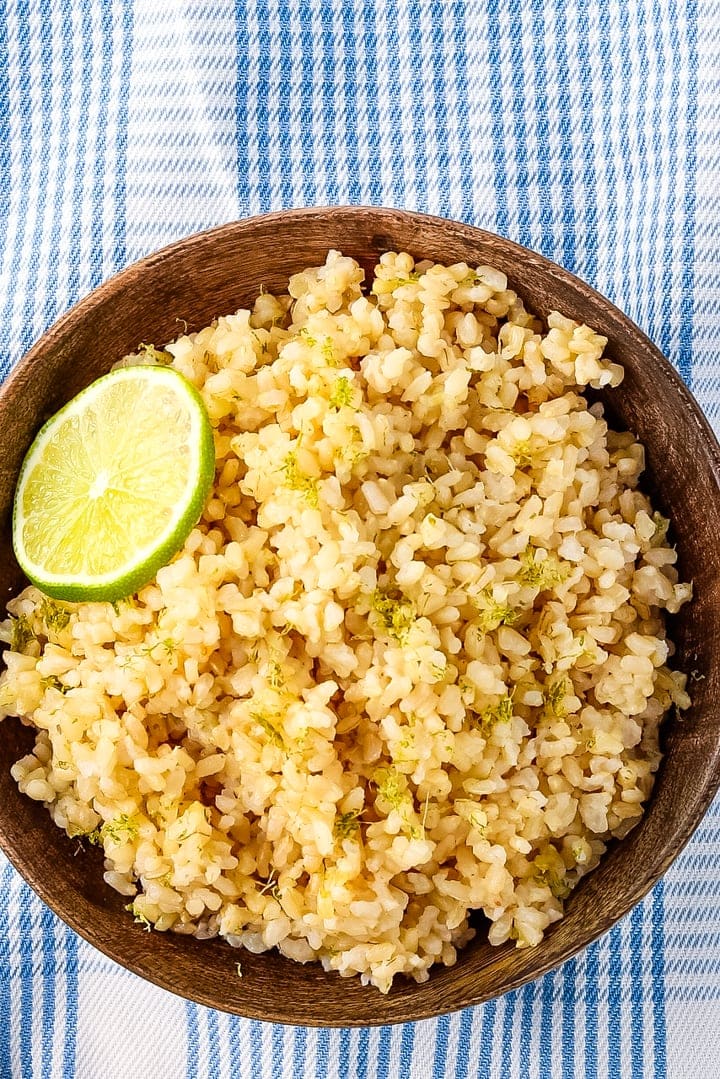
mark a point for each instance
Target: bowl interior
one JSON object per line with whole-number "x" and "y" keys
{"x": 216, "y": 273}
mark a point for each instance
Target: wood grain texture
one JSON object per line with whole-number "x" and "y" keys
{"x": 215, "y": 273}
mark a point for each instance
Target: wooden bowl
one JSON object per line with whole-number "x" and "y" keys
{"x": 215, "y": 273}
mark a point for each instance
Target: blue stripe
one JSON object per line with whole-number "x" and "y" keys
{"x": 542, "y": 181}
{"x": 566, "y": 251}
{"x": 439, "y": 123}
{"x": 669, "y": 316}
{"x": 486, "y": 1038}
{"x": 322, "y": 1058}
{"x": 260, "y": 117}
{"x": 49, "y": 971}
{"x": 4, "y": 153}
{"x": 193, "y": 1040}
{"x": 654, "y": 120}
{"x": 509, "y": 1002}
{"x": 235, "y": 1045}
{"x": 591, "y": 1010}
{"x": 71, "y": 1001}
{"x": 442, "y": 1029}
{"x": 687, "y": 310}
{"x": 589, "y": 175}
{"x": 383, "y": 1053}
{"x": 658, "y": 977}
{"x": 277, "y": 1047}
{"x": 665, "y": 115}
{"x": 614, "y": 1009}
{"x": 344, "y": 1057}
{"x": 373, "y": 107}
{"x": 285, "y": 85}
{"x": 242, "y": 120}
{"x": 526, "y": 1029}
{"x": 418, "y": 60}
{"x": 350, "y": 138}
{"x": 26, "y": 908}
{"x": 522, "y": 181}
{"x": 78, "y": 192}
{"x": 464, "y": 1046}
{"x": 637, "y": 918}
{"x": 121, "y": 136}
{"x": 97, "y": 237}
{"x": 625, "y": 163}
{"x": 328, "y": 104}
{"x": 5, "y": 998}
{"x": 213, "y": 1033}
{"x": 462, "y": 107}
{"x": 25, "y": 111}
{"x": 53, "y": 232}
{"x": 30, "y": 312}
{"x": 363, "y": 1039}
{"x": 299, "y": 1050}
{"x": 396, "y": 117}
{"x": 546, "y": 1026}
{"x": 497, "y": 108}
{"x": 256, "y": 1049}
{"x": 631, "y": 152}
{"x": 54, "y": 270}
{"x": 407, "y": 1042}
{"x": 569, "y": 972}
{"x": 304, "y": 91}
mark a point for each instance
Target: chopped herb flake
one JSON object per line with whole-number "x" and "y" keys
{"x": 555, "y": 694}
{"x": 22, "y": 633}
{"x": 155, "y": 355}
{"x": 122, "y": 829}
{"x": 392, "y": 787}
{"x": 342, "y": 393}
{"x": 662, "y": 525}
{"x": 383, "y": 285}
{"x": 493, "y": 614}
{"x": 550, "y": 871}
{"x": 395, "y": 614}
{"x": 346, "y": 825}
{"x": 51, "y": 681}
{"x": 139, "y": 917}
{"x": 541, "y": 573}
{"x": 271, "y": 731}
{"x": 502, "y": 712}
{"x": 54, "y": 615}
{"x": 298, "y": 481}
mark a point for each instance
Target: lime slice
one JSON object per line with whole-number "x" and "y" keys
{"x": 113, "y": 484}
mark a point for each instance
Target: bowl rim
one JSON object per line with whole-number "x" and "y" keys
{"x": 545, "y": 957}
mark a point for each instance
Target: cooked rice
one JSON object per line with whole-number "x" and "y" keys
{"x": 412, "y": 661}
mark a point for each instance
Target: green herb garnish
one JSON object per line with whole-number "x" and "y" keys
{"x": 54, "y": 615}
{"x": 488, "y": 718}
{"x": 346, "y": 825}
{"x": 395, "y": 614}
{"x": 298, "y": 481}
{"x": 274, "y": 736}
{"x": 22, "y": 633}
{"x": 342, "y": 392}
{"x": 541, "y": 573}
{"x": 139, "y": 917}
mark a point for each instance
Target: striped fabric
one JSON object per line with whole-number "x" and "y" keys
{"x": 587, "y": 129}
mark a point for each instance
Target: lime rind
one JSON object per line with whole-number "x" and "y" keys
{"x": 139, "y": 569}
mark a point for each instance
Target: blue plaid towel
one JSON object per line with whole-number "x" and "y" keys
{"x": 587, "y": 129}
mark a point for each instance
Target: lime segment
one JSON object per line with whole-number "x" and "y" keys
{"x": 113, "y": 484}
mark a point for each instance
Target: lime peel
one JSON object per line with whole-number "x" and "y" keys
{"x": 113, "y": 484}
